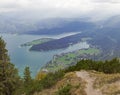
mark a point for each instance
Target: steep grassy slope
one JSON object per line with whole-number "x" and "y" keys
{"x": 76, "y": 86}
{"x": 109, "y": 84}
{"x": 85, "y": 83}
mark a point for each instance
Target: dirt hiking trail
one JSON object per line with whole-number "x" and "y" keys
{"x": 89, "y": 83}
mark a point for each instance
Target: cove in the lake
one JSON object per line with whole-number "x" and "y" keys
{"x": 22, "y": 57}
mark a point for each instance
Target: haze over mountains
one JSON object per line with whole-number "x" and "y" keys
{"x": 16, "y": 24}
{"x": 51, "y": 41}
{"x": 43, "y": 16}
{"x": 56, "y": 25}
{"x": 96, "y": 19}
{"x": 104, "y": 35}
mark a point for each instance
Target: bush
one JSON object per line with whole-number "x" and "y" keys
{"x": 48, "y": 81}
{"x": 65, "y": 90}
{"x": 109, "y": 67}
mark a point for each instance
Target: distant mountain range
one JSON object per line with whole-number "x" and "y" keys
{"x": 65, "y": 27}
{"x": 104, "y": 34}
{"x": 9, "y": 24}
{"x": 45, "y": 27}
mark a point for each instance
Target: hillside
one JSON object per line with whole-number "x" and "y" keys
{"x": 85, "y": 83}
{"x": 70, "y": 82}
{"x": 87, "y": 77}
{"x": 106, "y": 39}
{"x": 98, "y": 78}
{"x": 65, "y": 26}
{"x": 67, "y": 59}
{"x": 50, "y": 26}
{"x": 104, "y": 36}
{"x": 35, "y": 42}
{"x": 59, "y": 47}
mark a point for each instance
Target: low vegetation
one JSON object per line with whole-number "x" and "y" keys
{"x": 64, "y": 90}
{"x": 62, "y": 80}
{"x": 108, "y": 67}
{"x": 70, "y": 84}
{"x": 109, "y": 84}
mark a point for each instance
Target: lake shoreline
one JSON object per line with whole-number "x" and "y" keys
{"x": 35, "y": 60}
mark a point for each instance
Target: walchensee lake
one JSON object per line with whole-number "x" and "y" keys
{"x": 22, "y": 57}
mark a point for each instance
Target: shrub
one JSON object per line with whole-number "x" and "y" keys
{"x": 64, "y": 90}
{"x": 109, "y": 67}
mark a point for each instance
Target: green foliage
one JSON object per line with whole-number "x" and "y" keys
{"x": 40, "y": 75}
{"x": 51, "y": 79}
{"x": 65, "y": 60}
{"x": 3, "y": 51}
{"x": 112, "y": 66}
{"x": 48, "y": 81}
{"x": 64, "y": 90}
{"x": 36, "y": 42}
{"x": 27, "y": 77}
{"x": 30, "y": 86}
{"x": 8, "y": 73}
{"x": 27, "y": 80}
{"x": 11, "y": 84}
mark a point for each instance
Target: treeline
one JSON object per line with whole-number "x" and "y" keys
{"x": 12, "y": 84}
{"x": 108, "y": 66}
{"x": 45, "y": 82}
{"x": 50, "y": 79}
{"x": 10, "y": 81}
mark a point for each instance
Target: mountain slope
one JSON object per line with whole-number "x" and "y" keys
{"x": 106, "y": 39}
{"x": 76, "y": 86}
{"x": 86, "y": 83}
{"x": 51, "y": 26}
{"x": 90, "y": 81}
{"x": 65, "y": 26}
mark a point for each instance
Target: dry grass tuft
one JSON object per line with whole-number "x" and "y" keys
{"x": 108, "y": 83}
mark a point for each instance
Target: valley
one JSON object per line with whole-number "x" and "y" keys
{"x": 63, "y": 51}
{"x": 22, "y": 57}
{"x": 59, "y": 47}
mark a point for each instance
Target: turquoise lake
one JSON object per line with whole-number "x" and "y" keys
{"x": 22, "y": 57}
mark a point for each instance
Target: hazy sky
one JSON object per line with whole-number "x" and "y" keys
{"x": 62, "y": 8}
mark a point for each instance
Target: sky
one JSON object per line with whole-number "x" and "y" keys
{"x": 98, "y": 9}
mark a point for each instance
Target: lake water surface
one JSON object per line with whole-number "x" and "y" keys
{"x": 21, "y": 57}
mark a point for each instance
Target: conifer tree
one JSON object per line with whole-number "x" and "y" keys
{"x": 8, "y": 73}
{"x": 27, "y": 76}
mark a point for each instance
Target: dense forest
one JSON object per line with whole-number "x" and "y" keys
{"x": 12, "y": 84}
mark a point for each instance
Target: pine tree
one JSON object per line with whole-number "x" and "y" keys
{"x": 27, "y": 76}
{"x": 8, "y": 73}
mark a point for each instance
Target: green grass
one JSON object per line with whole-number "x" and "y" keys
{"x": 38, "y": 41}
{"x": 69, "y": 58}
{"x": 71, "y": 55}
{"x": 64, "y": 60}
{"x": 90, "y": 51}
